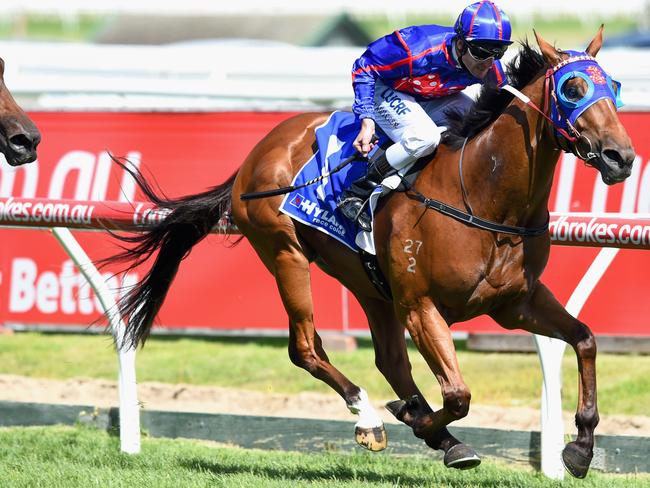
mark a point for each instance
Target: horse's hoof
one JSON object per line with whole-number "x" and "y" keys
{"x": 404, "y": 410}
{"x": 396, "y": 407}
{"x": 461, "y": 456}
{"x": 575, "y": 462}
{"x": 374, "y": 438}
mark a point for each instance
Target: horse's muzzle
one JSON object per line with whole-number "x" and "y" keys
{"x": 21, "y": 144}
{"x": 615, "y": 164}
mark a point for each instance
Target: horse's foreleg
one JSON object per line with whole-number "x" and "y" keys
{"x": 291, "y": 270}
{"x": 391, "y": 358}
{"x": 542, "y": 314}
{"x": 431, "y": 334}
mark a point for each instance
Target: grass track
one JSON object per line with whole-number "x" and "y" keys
{"x": 70, "y": 457}
{"x": 495, "y": 379}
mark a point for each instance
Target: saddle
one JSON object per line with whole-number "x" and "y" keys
{"x": 322, "y": 179}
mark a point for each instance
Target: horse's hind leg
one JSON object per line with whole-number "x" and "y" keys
{"x": 391, "y": 358}
{"x": 542, "y": 314}
{"x": 287, "y": 261}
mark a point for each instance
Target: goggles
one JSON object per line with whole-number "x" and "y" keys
{"x": 572, "y": 103}
{"x": 483, "y": 52}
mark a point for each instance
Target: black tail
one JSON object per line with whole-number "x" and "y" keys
{"x": 192, "y": 217}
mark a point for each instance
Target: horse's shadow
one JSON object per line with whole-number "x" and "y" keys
{"x": 306, "y": 474}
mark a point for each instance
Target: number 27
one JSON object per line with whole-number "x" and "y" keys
{"x": 408, "y": 248}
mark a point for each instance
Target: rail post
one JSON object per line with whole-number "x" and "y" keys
{"x": 129, "y": 408}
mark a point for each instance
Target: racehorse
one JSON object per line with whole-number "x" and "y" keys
{"x": 498, "y": 163}
{"x": 19, "y": 136}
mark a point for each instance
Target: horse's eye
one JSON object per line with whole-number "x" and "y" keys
{"x": 572, "y": 93}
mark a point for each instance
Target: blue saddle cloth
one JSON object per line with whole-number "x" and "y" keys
{"x": 315, "y": 205}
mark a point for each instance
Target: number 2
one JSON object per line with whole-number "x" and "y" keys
{"x": 411, "y": 267}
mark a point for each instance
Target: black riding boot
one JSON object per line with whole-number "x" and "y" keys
{"x": 353, "y": 200}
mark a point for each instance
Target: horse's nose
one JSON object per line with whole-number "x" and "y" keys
{"x": 623, "y": 157}
{"x": 24, "y": 140}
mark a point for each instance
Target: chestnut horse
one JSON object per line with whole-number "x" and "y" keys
{"x": 19, "y": 136}
{"x": 440, "y": 270}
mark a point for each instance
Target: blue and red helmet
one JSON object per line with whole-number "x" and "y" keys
{"x": 484, "y": 22}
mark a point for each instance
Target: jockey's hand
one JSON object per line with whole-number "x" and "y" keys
{"x": 364, "y": 141}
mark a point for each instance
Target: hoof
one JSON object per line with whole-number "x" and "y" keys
{"x": 374, "y": 439}
{"x": 575, "y": 462}
{"x": 461, "y": 456}
{"x": 405, "y": 410}
{"x": 396, "y": 407}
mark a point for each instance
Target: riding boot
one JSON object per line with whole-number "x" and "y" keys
{"x": 353, "y": 200}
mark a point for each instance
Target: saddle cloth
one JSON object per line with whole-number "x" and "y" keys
{"x": 315, "y": 205}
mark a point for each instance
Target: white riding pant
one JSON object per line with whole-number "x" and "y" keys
{"x": 414, "y": 126}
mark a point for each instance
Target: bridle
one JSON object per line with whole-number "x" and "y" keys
{"x": 566, "y": 139}
{"x": 550, "y": 93}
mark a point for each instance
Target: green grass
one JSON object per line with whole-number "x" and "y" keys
{"x": 50, "y": 28}
{"x": 495, "y": 379}
{"x": 69, "y": 457}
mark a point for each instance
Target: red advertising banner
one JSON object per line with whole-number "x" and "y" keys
{"x": 227, "y": 288}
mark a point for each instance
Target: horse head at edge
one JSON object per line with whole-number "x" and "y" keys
{"x": 19, "y": 136}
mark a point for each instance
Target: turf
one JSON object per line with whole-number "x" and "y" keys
{"x": 69, "y": 457}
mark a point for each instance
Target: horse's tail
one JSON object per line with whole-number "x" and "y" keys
{"x": 191, "y": 218}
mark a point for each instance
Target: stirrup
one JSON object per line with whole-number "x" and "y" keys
{"x": 352, "y": 208}
{"x": 363, "y": 219}
{"x": 349, "y": 206}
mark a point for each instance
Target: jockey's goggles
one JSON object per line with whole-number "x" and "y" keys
{"x": 483, "y": 52}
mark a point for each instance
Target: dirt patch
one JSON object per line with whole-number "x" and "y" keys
{"x": 211, "y": 399}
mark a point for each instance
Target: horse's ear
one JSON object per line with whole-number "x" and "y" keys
{"x": 549, "y": 52}
{"x": 596, "y": 43}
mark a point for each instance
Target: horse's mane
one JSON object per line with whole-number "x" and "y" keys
{"x": 491, "y": 101}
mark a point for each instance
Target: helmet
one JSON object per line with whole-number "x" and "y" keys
{"x": 483, "y": 22}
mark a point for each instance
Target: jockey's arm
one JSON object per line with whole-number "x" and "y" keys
{"x": 380, "y": 61}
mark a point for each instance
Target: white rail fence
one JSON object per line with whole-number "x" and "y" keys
{"x": 611, "y": 232}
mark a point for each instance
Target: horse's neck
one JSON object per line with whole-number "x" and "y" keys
{"x": 513, "y": 163}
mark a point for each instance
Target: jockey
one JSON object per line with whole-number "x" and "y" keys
{"x": 407, "y": 80}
